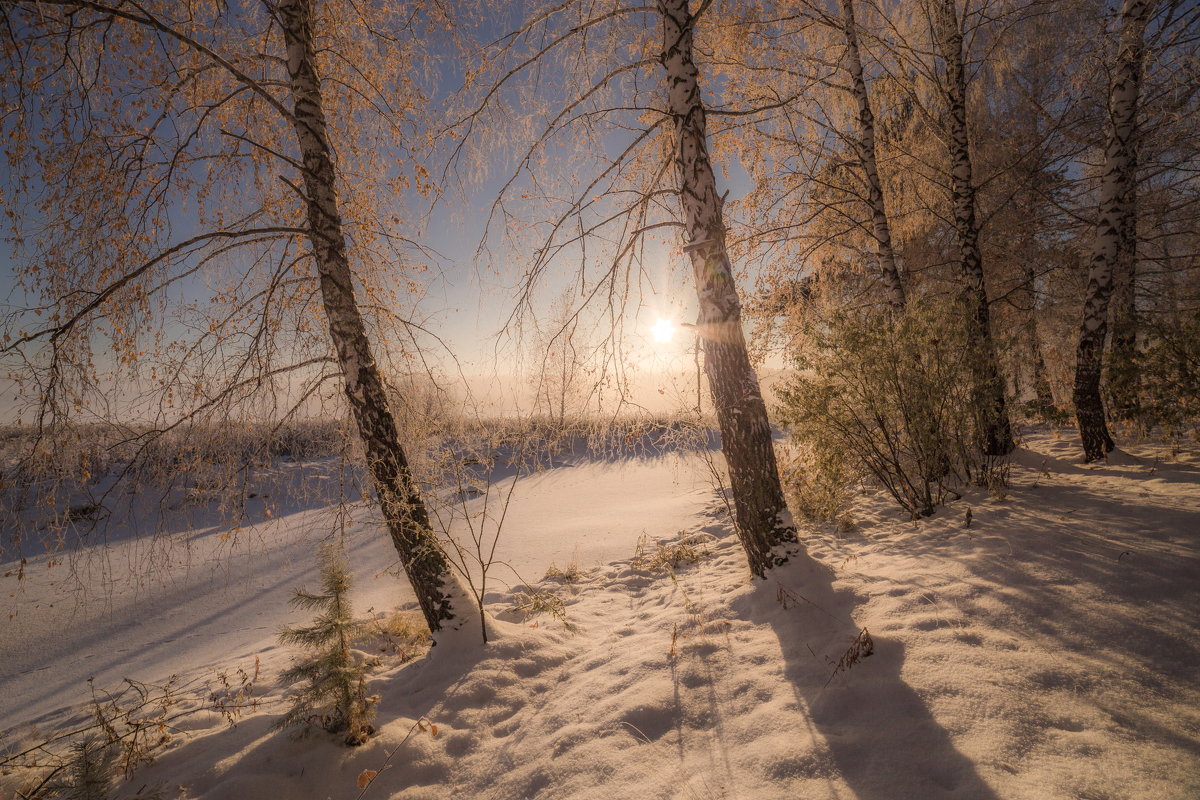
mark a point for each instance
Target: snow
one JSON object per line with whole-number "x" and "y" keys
{"x": 1048, "y": 650}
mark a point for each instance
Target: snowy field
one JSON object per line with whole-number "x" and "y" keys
{"x": 1047, "y": 649}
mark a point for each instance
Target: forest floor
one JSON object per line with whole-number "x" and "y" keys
{"x": 1047, "y": 649}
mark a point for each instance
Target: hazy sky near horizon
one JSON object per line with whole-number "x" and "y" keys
{"x": 467, "y": 296}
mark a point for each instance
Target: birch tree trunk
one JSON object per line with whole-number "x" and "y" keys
{"x": 988, "y": 389}
{"x": 865, "y": 146}
{"x": 442, "y": 599}
{"x": 763, "y": 520}
{"x": 1123, "y": 378}
{"x": 1114, "y": 227}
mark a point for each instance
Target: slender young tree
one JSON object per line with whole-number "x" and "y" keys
{"x": 607, "y": 160}
{"x": 763, "y": 520}
{"x": 334, "y": 691}
{"x": 867, "y": 156}
{"x": 988, "y": 386}
{"x": 1115, "y": 229}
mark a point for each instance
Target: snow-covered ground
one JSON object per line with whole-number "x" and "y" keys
{"x": 1048, "y": 650}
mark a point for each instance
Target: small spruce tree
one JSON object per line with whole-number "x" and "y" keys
{"x": 334, "y": 694}
{"x": 91, "y": 771}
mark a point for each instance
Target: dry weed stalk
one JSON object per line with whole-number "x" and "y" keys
{"x": 862, "y": 647}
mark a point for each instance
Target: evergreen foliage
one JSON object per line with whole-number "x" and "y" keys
{"x": 91, "y": 770}
{"x": 334, "y": 691}
{"x": 91, "y": 773}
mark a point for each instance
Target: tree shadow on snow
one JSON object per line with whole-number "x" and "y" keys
{"x": 252, "y": 759}
{"x": 882, "y": 738}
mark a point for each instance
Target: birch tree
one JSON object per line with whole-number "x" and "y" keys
{"x": 132, "y": 118}
{"x": 608, "y": 160}
{"x": 818, "y": 202}
{"x": 762, "y": 517}
{"x": 829, "y": 120}
{"x": 1114, "y": 230}
{"x": 988, "y": 385}
{"x": 867, "y": 156}
{"x": 443, "y": 600}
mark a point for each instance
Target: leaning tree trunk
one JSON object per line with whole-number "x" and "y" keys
{"x": 988, "y": 388}
{"x": 763, "y": 520}
{"x": 442, "y": 599}
{"x": 865, "y": 145}
{"x": 1114, "y": 227}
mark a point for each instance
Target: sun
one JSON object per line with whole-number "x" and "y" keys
{"x": 663, "y": 330}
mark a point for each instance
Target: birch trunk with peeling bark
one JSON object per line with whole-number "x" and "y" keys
{"x": 763, "y": 520}
{"x": 865, "y": 145}
{"x": 444, "y": 603}
{"x": 988, "y": 389}
{"x": 1113, "y": 230}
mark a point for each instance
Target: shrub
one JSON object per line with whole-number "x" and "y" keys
{"x": 128, "y": 726}
{"x": 92, "y": 772}
{"x": 568, "y": 574}
{"x": 403, "y": 633}
{"x": 887, "y": 397}
{"x": 1160, "y": 384}
{"x": 531, "y": 602}
{"x": 817, "y": 482}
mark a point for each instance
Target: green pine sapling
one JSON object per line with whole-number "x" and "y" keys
{"x": 90, "y": 772}
{"x": 334, "y": 694}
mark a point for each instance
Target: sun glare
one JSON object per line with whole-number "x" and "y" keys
{"x": 663, "y": 331}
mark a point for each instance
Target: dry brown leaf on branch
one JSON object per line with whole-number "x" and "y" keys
{"x": 365, "y": 777}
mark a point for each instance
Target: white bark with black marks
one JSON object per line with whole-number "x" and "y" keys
{"x": 763, "y": 520}
{"x": 988, "y": 388}
{"x": 1114, "y": 229}
{"x": 444, "y": 602}
{"x": 1124, "y": 381}
{"x": 865, "y": 147}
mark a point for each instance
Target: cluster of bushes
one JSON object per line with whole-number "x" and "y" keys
{"x": 1157, "y": 385}
{"x": 83, "y": 454}
{"x": 885, "y": 396}
{"x": 72, "y": 478}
